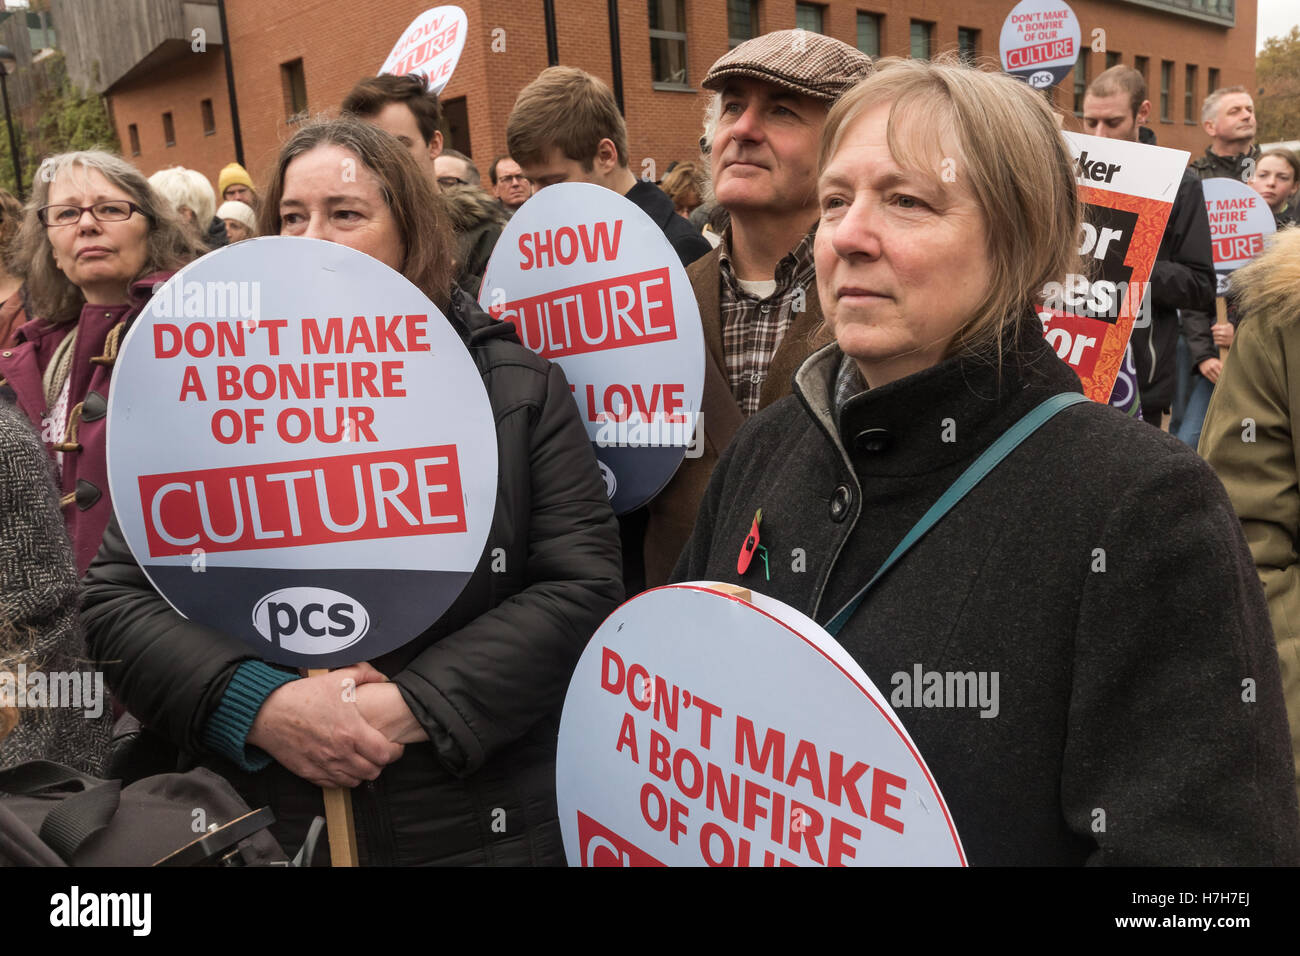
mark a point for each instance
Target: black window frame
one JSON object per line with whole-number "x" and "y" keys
{"x": 869, "y": 16}
{"x": 293, "y": 83}
{"x": 927, "y": 31}
{"x": 735, "y": 39}
{"x": 817, "y": 9}
{"x": 974, "y": 51}
{"x": 672, "y": 36}
{"x": 1166, "y": 91}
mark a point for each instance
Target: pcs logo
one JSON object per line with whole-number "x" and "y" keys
{"x": 308, "y": 620}
{"x": 611, "y": 483}
{"x": 1041, "y": 79}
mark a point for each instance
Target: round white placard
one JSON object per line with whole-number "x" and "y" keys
{"x": 700, "y": 729}
{"x": 1040, "y": 42}
{"x": 430, "y": 46}
{"x": 592, "y": 283}
{"x": 301, "y": 452}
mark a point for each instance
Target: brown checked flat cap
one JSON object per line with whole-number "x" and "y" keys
{"x": 799, "y": 60}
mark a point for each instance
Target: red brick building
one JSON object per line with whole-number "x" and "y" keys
{"x": 299, "y": 57}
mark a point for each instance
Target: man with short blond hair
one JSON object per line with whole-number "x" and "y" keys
{"x": 757, "y": 290}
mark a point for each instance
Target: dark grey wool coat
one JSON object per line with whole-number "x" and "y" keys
{"x": 1099, "y": 570}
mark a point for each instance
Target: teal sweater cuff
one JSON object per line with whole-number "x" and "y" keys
{"x": 228, "y": 727}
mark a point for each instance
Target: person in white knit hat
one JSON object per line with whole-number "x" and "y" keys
{"x": 240, "y": 220}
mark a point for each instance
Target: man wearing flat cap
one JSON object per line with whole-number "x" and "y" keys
{"x": 757, "y": 290}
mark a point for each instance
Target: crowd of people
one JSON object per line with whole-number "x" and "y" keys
{"x": 871, "y": 331}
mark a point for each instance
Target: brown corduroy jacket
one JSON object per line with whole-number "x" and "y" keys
{"x": 672, "y": 511}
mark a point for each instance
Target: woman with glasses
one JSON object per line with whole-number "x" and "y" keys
{"x": 94, "y": 242}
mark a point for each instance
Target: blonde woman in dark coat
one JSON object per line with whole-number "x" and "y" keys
{"x": 1096, "y": 584}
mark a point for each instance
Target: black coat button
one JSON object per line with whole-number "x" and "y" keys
{"x": 873, "y": 440}
{"x": 94, "y": 407}
{"x": 840, "y": 503}
{"x": 87, "y": 494}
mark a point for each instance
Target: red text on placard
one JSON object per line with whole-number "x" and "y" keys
{"x": 1233, "y": 248}
{"x": 609, "y": 314}
{"x": 288, "y": 504}
{"x": 430, "y": 48}
{"x": 1041, "y": 53}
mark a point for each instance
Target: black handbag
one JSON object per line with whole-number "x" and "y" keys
{"x": 51, "y": 815}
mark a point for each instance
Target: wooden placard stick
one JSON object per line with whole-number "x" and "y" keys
{"x": 338, "y": 815}
{"x": 732, "y": 590}
{"x": 1221, "y": 318}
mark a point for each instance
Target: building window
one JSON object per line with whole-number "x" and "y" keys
{"x": 1166, "y": 87}
{"x": 668, "y": 43}
{"x": 169, "y": 130}
{"x": 869, "y": 34}
{"x": 921, "y": 39}
{"x": 1189, "y": 95}
{"x": 742, "y": 21}
{"x": 968, "y": 41}
{"x": 209, "y": 118}
{"x": 1213, "y": 76}
{"x": 1112, "y": 59}
{"x": 293, "y": 82}
{"x": 1140, "y": 64}
{"x": 808, "y": 16}
{"x": 455, "y": 125}
{"x": 133, "y": 134}
{"x": 40, "y": 33}
{"x": 1080, "y": 81}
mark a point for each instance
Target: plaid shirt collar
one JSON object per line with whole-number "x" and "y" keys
{"x": 753, "y": 327}
{"x": 795, "y": 268}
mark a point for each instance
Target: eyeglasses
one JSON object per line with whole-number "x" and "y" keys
{"x": 450, "y": 181}
{"x": 512, "y": 179}
{"x": 112, "y": 211}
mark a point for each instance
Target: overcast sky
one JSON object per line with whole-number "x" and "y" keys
{"x": 1276, "y": 18}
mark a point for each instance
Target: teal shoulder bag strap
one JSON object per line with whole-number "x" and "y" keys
{"x": 971, "y": 477}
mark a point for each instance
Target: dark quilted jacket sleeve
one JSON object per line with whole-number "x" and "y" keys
{"x": 481, "y": 688}
{"x": 168, "y": 671}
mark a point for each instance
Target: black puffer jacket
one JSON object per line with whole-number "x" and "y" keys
{"x": 486, "y": 681}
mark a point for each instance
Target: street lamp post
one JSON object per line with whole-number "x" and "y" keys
{"x": 9, "y": 63}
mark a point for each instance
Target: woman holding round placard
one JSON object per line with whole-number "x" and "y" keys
{"x": 1093, "y": 592}
{"x": 94, "y": 243}
{"x": 449, "y": 741}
